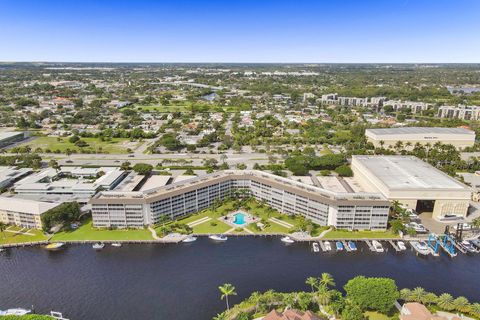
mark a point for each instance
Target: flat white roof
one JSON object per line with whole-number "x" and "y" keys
{"x": 421, "y": 130}
{"x": 155, "y": 181}
{"x": 8, "y": 134}
{"x": 407, "y": 172}
{"x": 25, "y": 206}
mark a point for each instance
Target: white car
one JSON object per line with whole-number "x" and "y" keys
{"x": 466, "y": 226}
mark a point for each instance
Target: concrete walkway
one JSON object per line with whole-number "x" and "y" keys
{"x": 324, "y": 232}
{"x": 282, "y": 223}
{"x": 154, "y": 233}
{"x": 199, "y": 221}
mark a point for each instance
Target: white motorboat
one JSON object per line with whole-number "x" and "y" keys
{"x": 218, "y": 237}
{"x": 377, "y": 246}
{"x": 54, "y": 246}
{"x": 98, "y": 246}
{"x": 328, "y": 246}
{"x": 468, "y": 246}
{"x": 421, "y": 247}
{"x": 15, "y": 312}
{"x": 315, "y": 247}
{"x": 116, "y": 244}
{"x": 401, "y": 245}
{"x": 189, "y": 239}
{"x": 287, "y": 240}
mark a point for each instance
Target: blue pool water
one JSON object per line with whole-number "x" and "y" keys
{"x": 239, "y": 218}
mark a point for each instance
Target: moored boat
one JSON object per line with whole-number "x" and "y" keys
{"x": 352, "y": 245}
{"x": 218, "y": 237}
{"x": 116, "y": 244}
{"x": 421, "y": 247}
{"x": 98, "y": 246}
{"x": 401, "y": 245}
{"x": 15, "y": 312}
{"x": 287, "y": 240}
{"x": 328, "y": 246}
{"x": 339, "y": 246}
{"x": 468, "y": 246}
{"x": 377, "y": 246}
{"x": 54, "y": 246}
{"x": 189, "y": 239}
{"x": 315, "y": 247}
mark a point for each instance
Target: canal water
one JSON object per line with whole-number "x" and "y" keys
{"x": 181, "y": 281}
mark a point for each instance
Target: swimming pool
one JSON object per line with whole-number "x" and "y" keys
{"x": 239, "y": 218}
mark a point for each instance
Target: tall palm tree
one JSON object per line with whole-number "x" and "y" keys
{"x": 226, "y": 290}
{"x": 429, "y": 298}
{"x": 326, "y": 280}
{"x": 405, "y": 294}
{"x": 445, "y": 301}
{"x": 475, "y": 309}
{"x": 220, "y": 316}
{"x": 255, "y": 298}
{"x": 418, "y": 294}
{"x": 323, "y": 296}
{"x": 312, "y": 282}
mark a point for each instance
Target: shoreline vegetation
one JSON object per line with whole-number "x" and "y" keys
{"x": 361, "y": 298}
{"x": 205, "y": 222}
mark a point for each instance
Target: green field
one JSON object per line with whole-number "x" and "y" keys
{"x": 116, "y": 145}
{"x": 87, "y": 232}
{"x": 345, "y": 234}
{"x": 7, "y": 237}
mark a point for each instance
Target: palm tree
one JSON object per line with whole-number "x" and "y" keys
{"x": 445, "y": 301}
{"x": 226, "y": 290}
{"x": 461, "y": 304}
{"x": 429, "y": 298}
{"x": 255, "y": 298}
{"x": 3, "y": 226}
{"x": 405, "y": 294}
{"x": 475, "y": 309}
{"x": 220, "y": 316}
{"x": 312, "y": 282}
{"x": 326, "y": 280}
{"x": 418, "y": 294}
{"x": 323, "y": 296}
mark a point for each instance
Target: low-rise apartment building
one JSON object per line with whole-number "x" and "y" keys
{"x": 460, "y": 112}
{"x": 22, "y": 212}
{"x": 345, "y": 210}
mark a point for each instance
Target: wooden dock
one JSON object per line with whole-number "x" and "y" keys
{"x": 459, "y": 248}
{"x": 322, "y": 246}
{"x": 370, "y": 245}
{"x": 397, "y": 249}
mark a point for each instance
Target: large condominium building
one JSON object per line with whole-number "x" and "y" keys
{"x": 415, "y": 107}
{"x": 460, "y": 112}
{"x": 346, "y": 210}
{"x": 458, "y": 137}
{"x": 22, "y": 212}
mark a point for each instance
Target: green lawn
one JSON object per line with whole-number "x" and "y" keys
{"x": 207, "y": 228}
{"x": 371, "y": 315}
{"x": 87, "y": 232}
{"x": 10, "y": 237}
{"x": 116, "y": 145}
{"x": 345, "y": 234}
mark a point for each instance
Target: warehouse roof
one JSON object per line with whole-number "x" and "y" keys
{"x": 407, "y": 172}
{"x": 421, "y": 130}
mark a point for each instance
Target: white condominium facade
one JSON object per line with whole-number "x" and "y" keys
{"x": 362, "y": 211}
{"x": 460, "y": 112}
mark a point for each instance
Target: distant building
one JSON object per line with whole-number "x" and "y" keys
{"x": 460, "y": 112}
{"x": 8, "y": 175}
{"x": 8, "y": 138}
{"x": 412, "y": 182}
{"x": 414, "y": 106}
{"x": 458, "y": 137}
{"x": 23, "y": 213}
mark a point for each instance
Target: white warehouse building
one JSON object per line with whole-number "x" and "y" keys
{"x": 414, "y": 183}
{"x": 458, "y": 137}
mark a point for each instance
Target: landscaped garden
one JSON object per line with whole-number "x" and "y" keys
{"x": 14, "y": 234}
{"x": 87, "y": 232}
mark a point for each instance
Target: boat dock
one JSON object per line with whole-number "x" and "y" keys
{"x": 345, "y": 245}
{"x": 322, "y": 246}
{"x": 394, "y": 245}
{"x": 459, "y": 248}
{"x": 370, "y": 245}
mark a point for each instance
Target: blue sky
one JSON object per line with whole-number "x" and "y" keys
{"x": 240, "y": 31}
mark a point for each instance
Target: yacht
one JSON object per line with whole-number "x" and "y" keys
{"x": 98, "y": 246}
{"x": 401, "y": 245}
{"x": 315, "y": 247}
{"x": 15, "y": 312}
{"x": 468, "y": 246}
{"x": 377, "y": 246}
{"x": 287, "y": 240}
{"x": 189, "y": 239}
{"x": 328, "y": 246}
{"x": 421, "y": 247}
{"x": 54, "y": 246}
{"x": 116, "y": 244}
{"x": 476, "y": 243}
{"x": 339, "y": 246}
{"x": 218, "y": 237}
{"x": 352, "y": 245}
